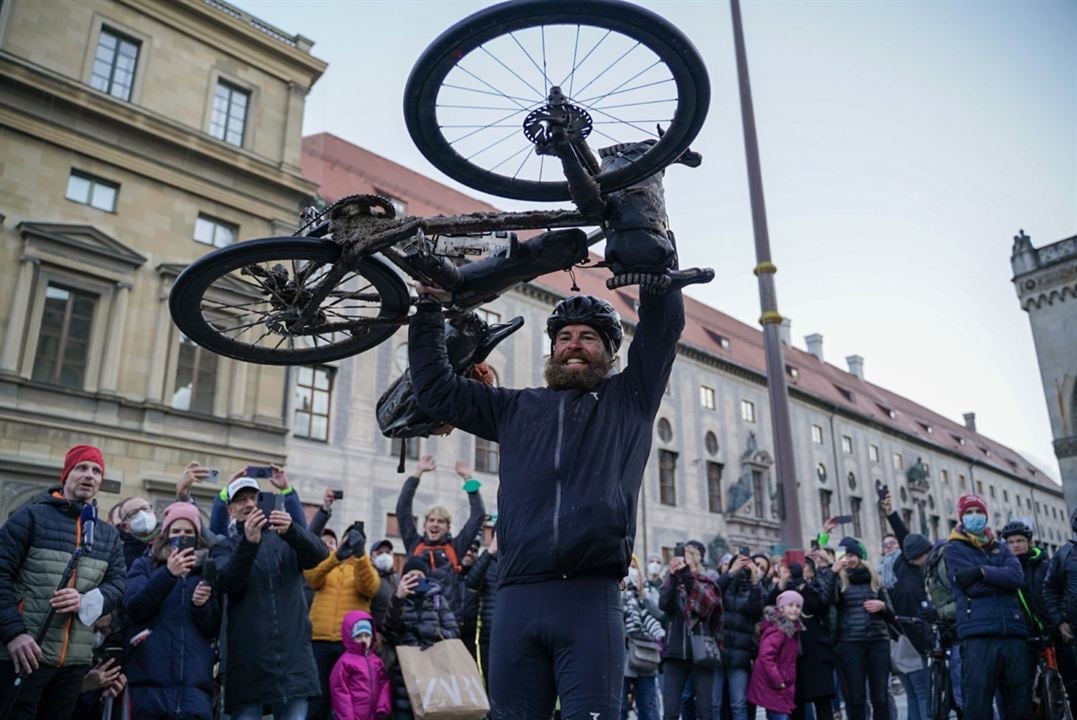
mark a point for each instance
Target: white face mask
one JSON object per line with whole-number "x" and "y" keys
{"x": 384, "y": 562}
{"x": 633, "y": 576}
{"x": 654, "y": 569}
{"x": 143, "y": 523}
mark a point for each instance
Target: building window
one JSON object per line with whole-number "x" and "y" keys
{"x": 824, "y": 505}
{"x": 757, "y": 492}
{"x": 487, "y": 456}
{"x": 64, "y": 343}
{"x": 93, "y": 191}
{"x": 665, "y": 430}
{"x": 980, "y": 488}
{"x": 488, "y": 316}
{"x": 313, "y": 395}
{"x": 195, "y": 386}
{"x": 846, "y": 444}
{"x": 935, "y": 527}
{"x": 667, "y": 477}
{"x": 392, "y": 525}
{"x": 906, "y": 517}
{"x": 991, "y": 490}
{"x": 873, "y": 453}
{"x": 706, "y": 397}
{"x": 114, "y": 64}
{"x": 412, "y": 452}
{"x": 710, "y": 441}
{"x": 820, "y": 472}
{"x": 747, "y": 411}
{"x": 230, "y": 105}
{"x": 817, "y": 434}
{"x": 945, "y": 477}
{"x": 899, "y": 462}
{"x": 211, "y": 231}
{"x": 851, "y": 479}
{"x": 961, "y": 481}
{"x": 854, "y": 505}
{"x": 714, "y": 487}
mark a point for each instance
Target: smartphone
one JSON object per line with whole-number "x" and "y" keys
{"x": 843, "y": 519}
{"x": 745, "y": 551}
{"x": 839, "y": 554}
{"x": 209, "y": 571}
{"x": 270, "y": 501}
{"x": 214, "y": 475}
{"x": 258, "y": 471}
{"x": 113, "y": 652}
{"x": 338, "y": 494}
{"x": 882, "y": 489}
{"x": 183, "y": 542}
{"x": 422, "y": 587}
{"x": 814, "y": 544}
{"x": 678, "y": 550}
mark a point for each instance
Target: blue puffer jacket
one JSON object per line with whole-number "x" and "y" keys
{"x": 571, "y": 461}
{"x": 170, "y": 673}
{"x": 989, "y": 607}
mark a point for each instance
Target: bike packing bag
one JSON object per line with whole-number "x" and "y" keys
{"x": 638, "y": 237}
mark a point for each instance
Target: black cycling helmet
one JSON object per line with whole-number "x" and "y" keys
{"x": 1016, "y": 527}
{"x": 588, "y": 310}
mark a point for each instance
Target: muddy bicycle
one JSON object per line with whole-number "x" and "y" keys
{"x": 505, "y": 101}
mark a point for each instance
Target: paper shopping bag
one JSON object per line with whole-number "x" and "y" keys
{"x": 443, "y": 682}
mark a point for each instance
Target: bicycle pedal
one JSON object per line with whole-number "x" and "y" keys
{"x": 654, "y": 283}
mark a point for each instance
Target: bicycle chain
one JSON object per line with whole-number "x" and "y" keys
{"x": 368, "y": 200}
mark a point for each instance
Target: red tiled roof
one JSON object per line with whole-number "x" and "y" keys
{"x": 341, "y": 168}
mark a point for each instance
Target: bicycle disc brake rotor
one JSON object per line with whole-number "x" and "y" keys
{"x": 558, "y": 120}
{"x": 286, "y": 296}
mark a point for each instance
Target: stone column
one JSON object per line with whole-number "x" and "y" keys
{"x": 113, "y": 351}
{"x": 20, "y": 307}
{"x": 159, "y": 358}
{"x": 238, "y": 396}
{"x": 291, "y": 145}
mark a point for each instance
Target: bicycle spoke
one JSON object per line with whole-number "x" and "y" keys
{"x": 545, "y": 79}
{"x": 610, "y": 66}
{"x": 589, "y": 101}
{"x": 480, "y": 152}
{"x": 529, "y": 146}
{"x": 484, "y": 127}
{"x": 514, "y": 73}
{"x": 607, "y": 136}
{"x": 544, "y": 75}
{"x": 575, "y": 49}
{"x": 231, "y": 306}
{"x": 618, "y": 120}
{"x": 603, "y": 97}
{"x": 542, "y": 162}
{"x": 637, "y": 104}
{"x": 516, "y": 174}
{"x": 570, "y": 78}
{"x": 514, "y": 98}
{"x": 476, "y": 107}
{"x": 261, "y": 337}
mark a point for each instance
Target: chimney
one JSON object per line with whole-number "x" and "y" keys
{"x": 815, "y": 345}
{"x": 856, "y": 366}
{"x": 970, "y": 421}
{"x": 786, "y": 331}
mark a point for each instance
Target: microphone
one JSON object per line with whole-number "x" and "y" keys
{"x": 88, "y": 518}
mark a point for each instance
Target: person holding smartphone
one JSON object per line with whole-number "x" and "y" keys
{"x": 170, "y": 673}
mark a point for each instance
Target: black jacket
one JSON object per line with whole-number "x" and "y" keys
{"x": 693, "y": 605}
{"x": 815, "y": 663}
{"x": 133, "y": 547}
{"x": 742, "y": 608}
{"x": 571, "y": 461}
{"x": 269, "y": 655}
{"x": 1035, "y": 565}
{"x": 855, "y": 624}
{"x": 1060, "y": 586}
{"x": 482, "y": 581}
{"x": 416, "y": 621}
{"x": 907, "y": 595}
{"x": 379, "y": 606}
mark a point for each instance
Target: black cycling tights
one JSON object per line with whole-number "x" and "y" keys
{"x": 558, "y": 639}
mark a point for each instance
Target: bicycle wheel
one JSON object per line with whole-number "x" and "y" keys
{"x": 244, "y": 301}
{"x": 1054, "y": 701}
{"x": 623, "y": 69}
{"x": 939, "y": 694}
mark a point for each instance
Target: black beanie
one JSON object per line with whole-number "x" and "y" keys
{"x": 915, "y": 546}
{"x": 416, "y": 563}
{"x": 796, "y": 572}
{"x": 854, "y": 546}
{"x": 699, "y": 546}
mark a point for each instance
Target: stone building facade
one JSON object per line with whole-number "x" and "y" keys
{"x": 711, "y": 470}
{"x": 136, "y": 137}
{"x": 1046, "y": 283}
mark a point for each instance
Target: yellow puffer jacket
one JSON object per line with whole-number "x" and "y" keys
{"x": 339, "y": 587}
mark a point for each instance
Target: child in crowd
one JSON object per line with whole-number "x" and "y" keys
{"x": 773, "y": 683}
{"x": 359, "y": 685}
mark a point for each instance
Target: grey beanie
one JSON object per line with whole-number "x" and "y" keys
{"x": 915, "y": 546}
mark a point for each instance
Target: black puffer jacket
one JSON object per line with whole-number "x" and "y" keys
{"x": 417, "y": 621}
{"x": 815, "y": 663}
{"x": 379, "y": 606}
{"x": 482, "y": 582}
{"x": 742, "y": 608}
{"x": 1035, "y": 566}
{"x": 1060, "y": 586}
{"x": 907, "y": 595}
{"x": 855, "y": 624}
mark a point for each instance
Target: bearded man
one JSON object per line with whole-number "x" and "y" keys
{"x": 572, "y": 461}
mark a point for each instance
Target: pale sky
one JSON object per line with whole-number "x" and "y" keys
{"x": 903, "y": 145}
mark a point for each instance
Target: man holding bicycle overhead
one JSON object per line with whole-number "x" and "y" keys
{"x": 572, "y": 460}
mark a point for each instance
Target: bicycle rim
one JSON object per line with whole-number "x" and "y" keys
{"x": 1054, "y": 697}
{"x": 627, "y": 68}
{"x": 243, "y": 302}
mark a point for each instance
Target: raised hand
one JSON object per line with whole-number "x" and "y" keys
{"x": 180, "y": 562}
{"x": 279, "y": 478}
{"x": 463, "y": 469}
{"x": 279, "y": 521}
{"x": 252, "y": 526}
{"x": 426, "y": 464}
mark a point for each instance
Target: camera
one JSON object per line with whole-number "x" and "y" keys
{"x": 678, "y": 550}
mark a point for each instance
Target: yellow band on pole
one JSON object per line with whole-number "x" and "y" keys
{"x": 770, "y": 317}
{"x": 765, "y": 267}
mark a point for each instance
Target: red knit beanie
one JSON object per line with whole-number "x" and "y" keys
{"x": 970, "y": 501}
{"x": 81, "y": 453}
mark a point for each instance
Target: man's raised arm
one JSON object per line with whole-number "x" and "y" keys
{"x": 654, "y": 346}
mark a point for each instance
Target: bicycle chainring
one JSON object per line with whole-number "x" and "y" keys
{"x": 373, "y": 206}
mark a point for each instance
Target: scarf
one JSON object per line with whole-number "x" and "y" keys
{"x": 787, "y": 626}
{"x": 886, "y": 569}
{"x": 979, "y": 541}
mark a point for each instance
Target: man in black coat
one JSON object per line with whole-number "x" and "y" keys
{"x": 1060, "y": 596}
{"x": 260, "y": 570}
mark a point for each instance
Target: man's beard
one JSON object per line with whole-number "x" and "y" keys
{"x": 559, "y": 377}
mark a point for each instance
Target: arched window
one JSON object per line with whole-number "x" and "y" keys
{"x": 665, "y": 430}
{"x": 710, "y": 441}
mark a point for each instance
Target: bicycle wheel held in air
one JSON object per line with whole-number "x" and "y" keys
{"x": 253, "y": 301}
{"x": 477, "y": 99}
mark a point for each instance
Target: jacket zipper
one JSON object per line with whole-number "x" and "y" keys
{"x": 183, "y": 643}
{"x": 373, "y": 689}
{"x": 557, "y": 472}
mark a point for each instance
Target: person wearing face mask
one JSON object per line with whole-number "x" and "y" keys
{"x": 742, "y": 608}
{"x": 138, "y": 528}
{"x": 346, "y": 580}
{"x": 991, "y": 627}
{"x": 381, "y": 556}
{"x": 642, "y": 682}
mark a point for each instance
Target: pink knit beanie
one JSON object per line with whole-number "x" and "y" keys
{"x": 182, "y": 511}
{"x": 789, "y": 597}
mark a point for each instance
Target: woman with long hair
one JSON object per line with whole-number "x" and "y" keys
{"x": 863, "y": 640}
{"x": 170, "y": 673}
{"x": 640, "y": 625}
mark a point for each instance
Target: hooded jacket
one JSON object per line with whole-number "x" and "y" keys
{"x": 907, "y": 595}
{"x": 269, "y": 655}
{"x": 359, "y": 685}
{"x": 989, "y": 607}
{"x": 774, "y": 674}
{"x": 171, "y": 671}
{"x": 572, "y": 460}
{"x": 339, "y": 587}
{"x": 36, "y": 544}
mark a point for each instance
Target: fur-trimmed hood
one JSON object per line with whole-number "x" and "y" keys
{"x": 774, "y": 616}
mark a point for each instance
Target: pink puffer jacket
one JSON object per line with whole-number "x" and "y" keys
{"x": 358, "y": 685}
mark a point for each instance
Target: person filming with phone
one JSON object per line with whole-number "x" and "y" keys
{"x": 260, "y": 571}
{"x": 170, "y": 672}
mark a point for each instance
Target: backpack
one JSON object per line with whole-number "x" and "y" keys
{"x": 938, "y": 585}
{"x": 430, "y": 552}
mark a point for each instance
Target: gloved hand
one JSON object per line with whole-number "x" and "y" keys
{"x": 354, "y": 543}
{"x": 968, "y": 577}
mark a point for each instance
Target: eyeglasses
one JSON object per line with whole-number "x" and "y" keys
{"x": 131, "y": 513}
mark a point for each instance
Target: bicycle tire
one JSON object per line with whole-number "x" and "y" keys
{"x": 939, "y": 696}
{"x": 1055, "y": 703}
{"x": 190, "y": 288}
{"x": 452, "y": 46}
